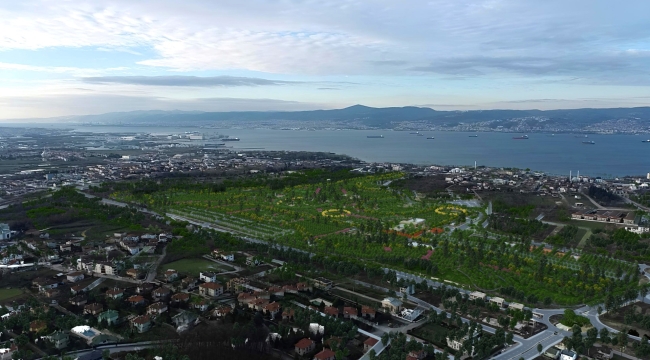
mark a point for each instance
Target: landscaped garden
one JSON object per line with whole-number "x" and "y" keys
{"x": 358, "y": 217}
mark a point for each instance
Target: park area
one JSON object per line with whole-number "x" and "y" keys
{"x": 315, "y": 211}
{"x": 361, "y": 218}
{"x": 193, "y": 267}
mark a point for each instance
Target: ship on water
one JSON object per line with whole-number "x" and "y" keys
{"x": 430, "y": 138}
{"x": 473, "y": 136}
{"x": 648, "y": 141}
{"x": 375, "y": 136}
{"x": 523, "y": 137}
{"x": 589, "y": 142}
{"x": 230, "y": 139}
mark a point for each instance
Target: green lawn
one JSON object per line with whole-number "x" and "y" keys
{"x": 9, "y": 293}
{"x": 588, "y": 224}
{"x": 194, "y": 266}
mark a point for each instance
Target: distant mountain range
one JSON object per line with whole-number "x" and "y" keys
{"x": 612, "y": 120}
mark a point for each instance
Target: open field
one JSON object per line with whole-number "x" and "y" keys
{"x": 593, "y": 225}
{"x": 195, "y": 266}
{"x": 6, "y": 294}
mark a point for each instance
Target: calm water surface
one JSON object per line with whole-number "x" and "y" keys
{"x": 612, "y": 155}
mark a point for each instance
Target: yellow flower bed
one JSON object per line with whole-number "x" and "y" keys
{"x": 335, "y": 213}
{"x": 450, "y": 210}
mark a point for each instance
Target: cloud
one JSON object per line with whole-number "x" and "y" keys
{"x": 388, "y": 62}
{"x": 615, "y": 67}
{"x": 88, "y": 103}
{"x": 464, "y": 37}
{"x": 208, "y": 81}
{"x": 77, "y": 71}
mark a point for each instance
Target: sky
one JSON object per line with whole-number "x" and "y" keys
{"x": 60, "y": 58}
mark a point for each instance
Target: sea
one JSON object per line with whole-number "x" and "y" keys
{"x": 609, "y": 157}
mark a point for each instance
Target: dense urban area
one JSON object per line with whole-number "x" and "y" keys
{"x": 140, "y": 246}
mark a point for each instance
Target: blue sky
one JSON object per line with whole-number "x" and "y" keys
{"x": 71, "y": 57}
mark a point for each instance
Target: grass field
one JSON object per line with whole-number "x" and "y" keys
{"x": 195, "y": 266}
{"x": 588, "y": 224}
{"x": 9, "y": 293}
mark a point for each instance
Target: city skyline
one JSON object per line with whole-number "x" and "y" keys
{"x": 71, "y": 58}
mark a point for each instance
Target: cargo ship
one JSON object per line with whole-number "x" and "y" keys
{"x": 473, "y": 136}
{"x": 375, "y": 136}
{"x": 589, "y": 142}
{"x": 523, "y": 137}
{"x": 230, "y": 139}
{"x": 430, "y": 138}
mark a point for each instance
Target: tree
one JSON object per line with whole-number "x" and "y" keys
{"x": 604, "y": 336}
{"x": 385, "y": 338}
{"x": 592, "y": 336}
{"x": 539, "y": 348}
{"x": 509, "y": 337}
{"x": 622, "y": 338}
{"x": 372, "y": 354}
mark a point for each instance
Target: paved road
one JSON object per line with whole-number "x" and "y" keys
{"x": 153, "y": 271}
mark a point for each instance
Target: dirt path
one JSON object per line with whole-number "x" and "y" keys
{"x": 584, "y": 239}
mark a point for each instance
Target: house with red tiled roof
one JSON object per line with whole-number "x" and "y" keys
{"x": 276, "y": 291}
{"x": 156, "y": 309}
{"x": 135, "y": 300}
{"x": 288, "y": 314}
{"x": 161, "y": 293}
{"x": 201, "y": 305}
{"x": 304, "y": 346}
{"x": 76, "y": 289}
{"x": 245, "y": 298}
{"x": 272, "y": 309}
{"x": 291, "y": 289}
{"x": 180, "y": 298}
{"x": 258, "y": 304}
{"x": 114, "y": 293}
{"x": 211, "y": 289}
{"x": 417, "y": 355}
{"x": 142, "y": 323}
{"x": 222, "y": 311}
{"x": 368, "y": 313}
{"x": 331, "y": 311}
{"x": 171, "y": 275}
{"x": 350, "y": 312}
{"x": 303, "y": 286}
{"x": 262, "y": 294}
{"x": 325, "y": 354}
{"x": 369, "y": 343}
{"x": 93, "y": 309}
